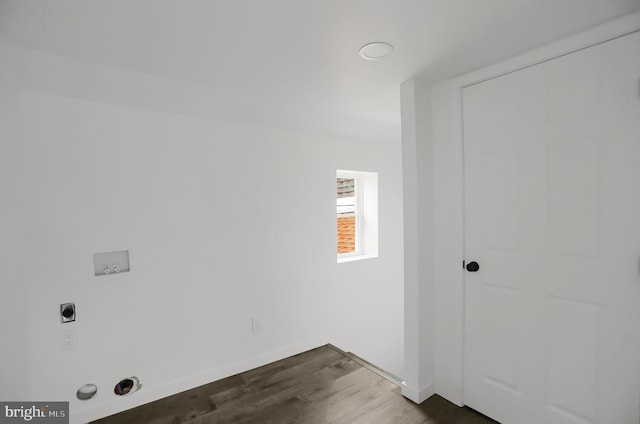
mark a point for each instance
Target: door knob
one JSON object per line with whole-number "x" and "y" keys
{"x": 473, "y": 267}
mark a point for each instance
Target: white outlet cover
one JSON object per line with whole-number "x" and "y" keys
{"x": 68, "y": 340}
{"x": 256, "y": 325}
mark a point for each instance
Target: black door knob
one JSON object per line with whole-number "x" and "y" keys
{"x": 473, "y": 267}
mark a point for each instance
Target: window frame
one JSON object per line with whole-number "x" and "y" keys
{"x": 366, "y": 223}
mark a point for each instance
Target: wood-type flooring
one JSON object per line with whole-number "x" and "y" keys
{"x": 321, "y": 386}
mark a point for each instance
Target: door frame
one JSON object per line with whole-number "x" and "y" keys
{"x": 448, "y": 183}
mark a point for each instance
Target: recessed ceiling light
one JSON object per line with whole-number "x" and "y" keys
{"x": 376, "y": 50}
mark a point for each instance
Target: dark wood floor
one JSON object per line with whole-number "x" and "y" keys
{"x": 321, "y": 386}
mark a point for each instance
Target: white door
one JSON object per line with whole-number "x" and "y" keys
{"x": 552, "y": 198}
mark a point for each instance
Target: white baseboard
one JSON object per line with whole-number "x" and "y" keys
{"x": 149, "y": 394}
{"x": 417, "y": 395}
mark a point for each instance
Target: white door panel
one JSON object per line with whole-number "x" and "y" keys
{"x": 552, "y": 195}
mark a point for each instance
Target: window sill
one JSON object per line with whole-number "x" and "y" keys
{"x": 355, "y": 258}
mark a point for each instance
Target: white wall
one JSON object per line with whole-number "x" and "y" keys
{"x": 439, "y": 150}
{"x": 367, "y": 295}
{"x": 199, "y": 205}
{"x": 419, "y": 299}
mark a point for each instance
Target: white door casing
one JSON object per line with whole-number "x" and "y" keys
{"x": 552, "y": 215}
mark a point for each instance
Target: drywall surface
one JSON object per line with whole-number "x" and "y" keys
{"x": 15, "y": 367}
{"x": 224, "y": 222}
{"x": 418, "y": 185}
{"x": 367, "y": 294}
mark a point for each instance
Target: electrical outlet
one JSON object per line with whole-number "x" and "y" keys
{"x": 256, "y": 325}
{"x": 68, "y": 340}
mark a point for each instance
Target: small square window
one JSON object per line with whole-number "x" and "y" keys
{"x": 347, "y": 212}
{"x": 356, "y": 215}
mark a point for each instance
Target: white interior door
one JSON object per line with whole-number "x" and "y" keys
{"x": 552, "y": 199}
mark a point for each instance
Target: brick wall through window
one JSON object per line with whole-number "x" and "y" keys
{"x": 346, "y": 215}
{"x": 346, "y": 234}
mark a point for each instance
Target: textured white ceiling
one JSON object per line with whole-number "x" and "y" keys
{"x": 290, "y": 63}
